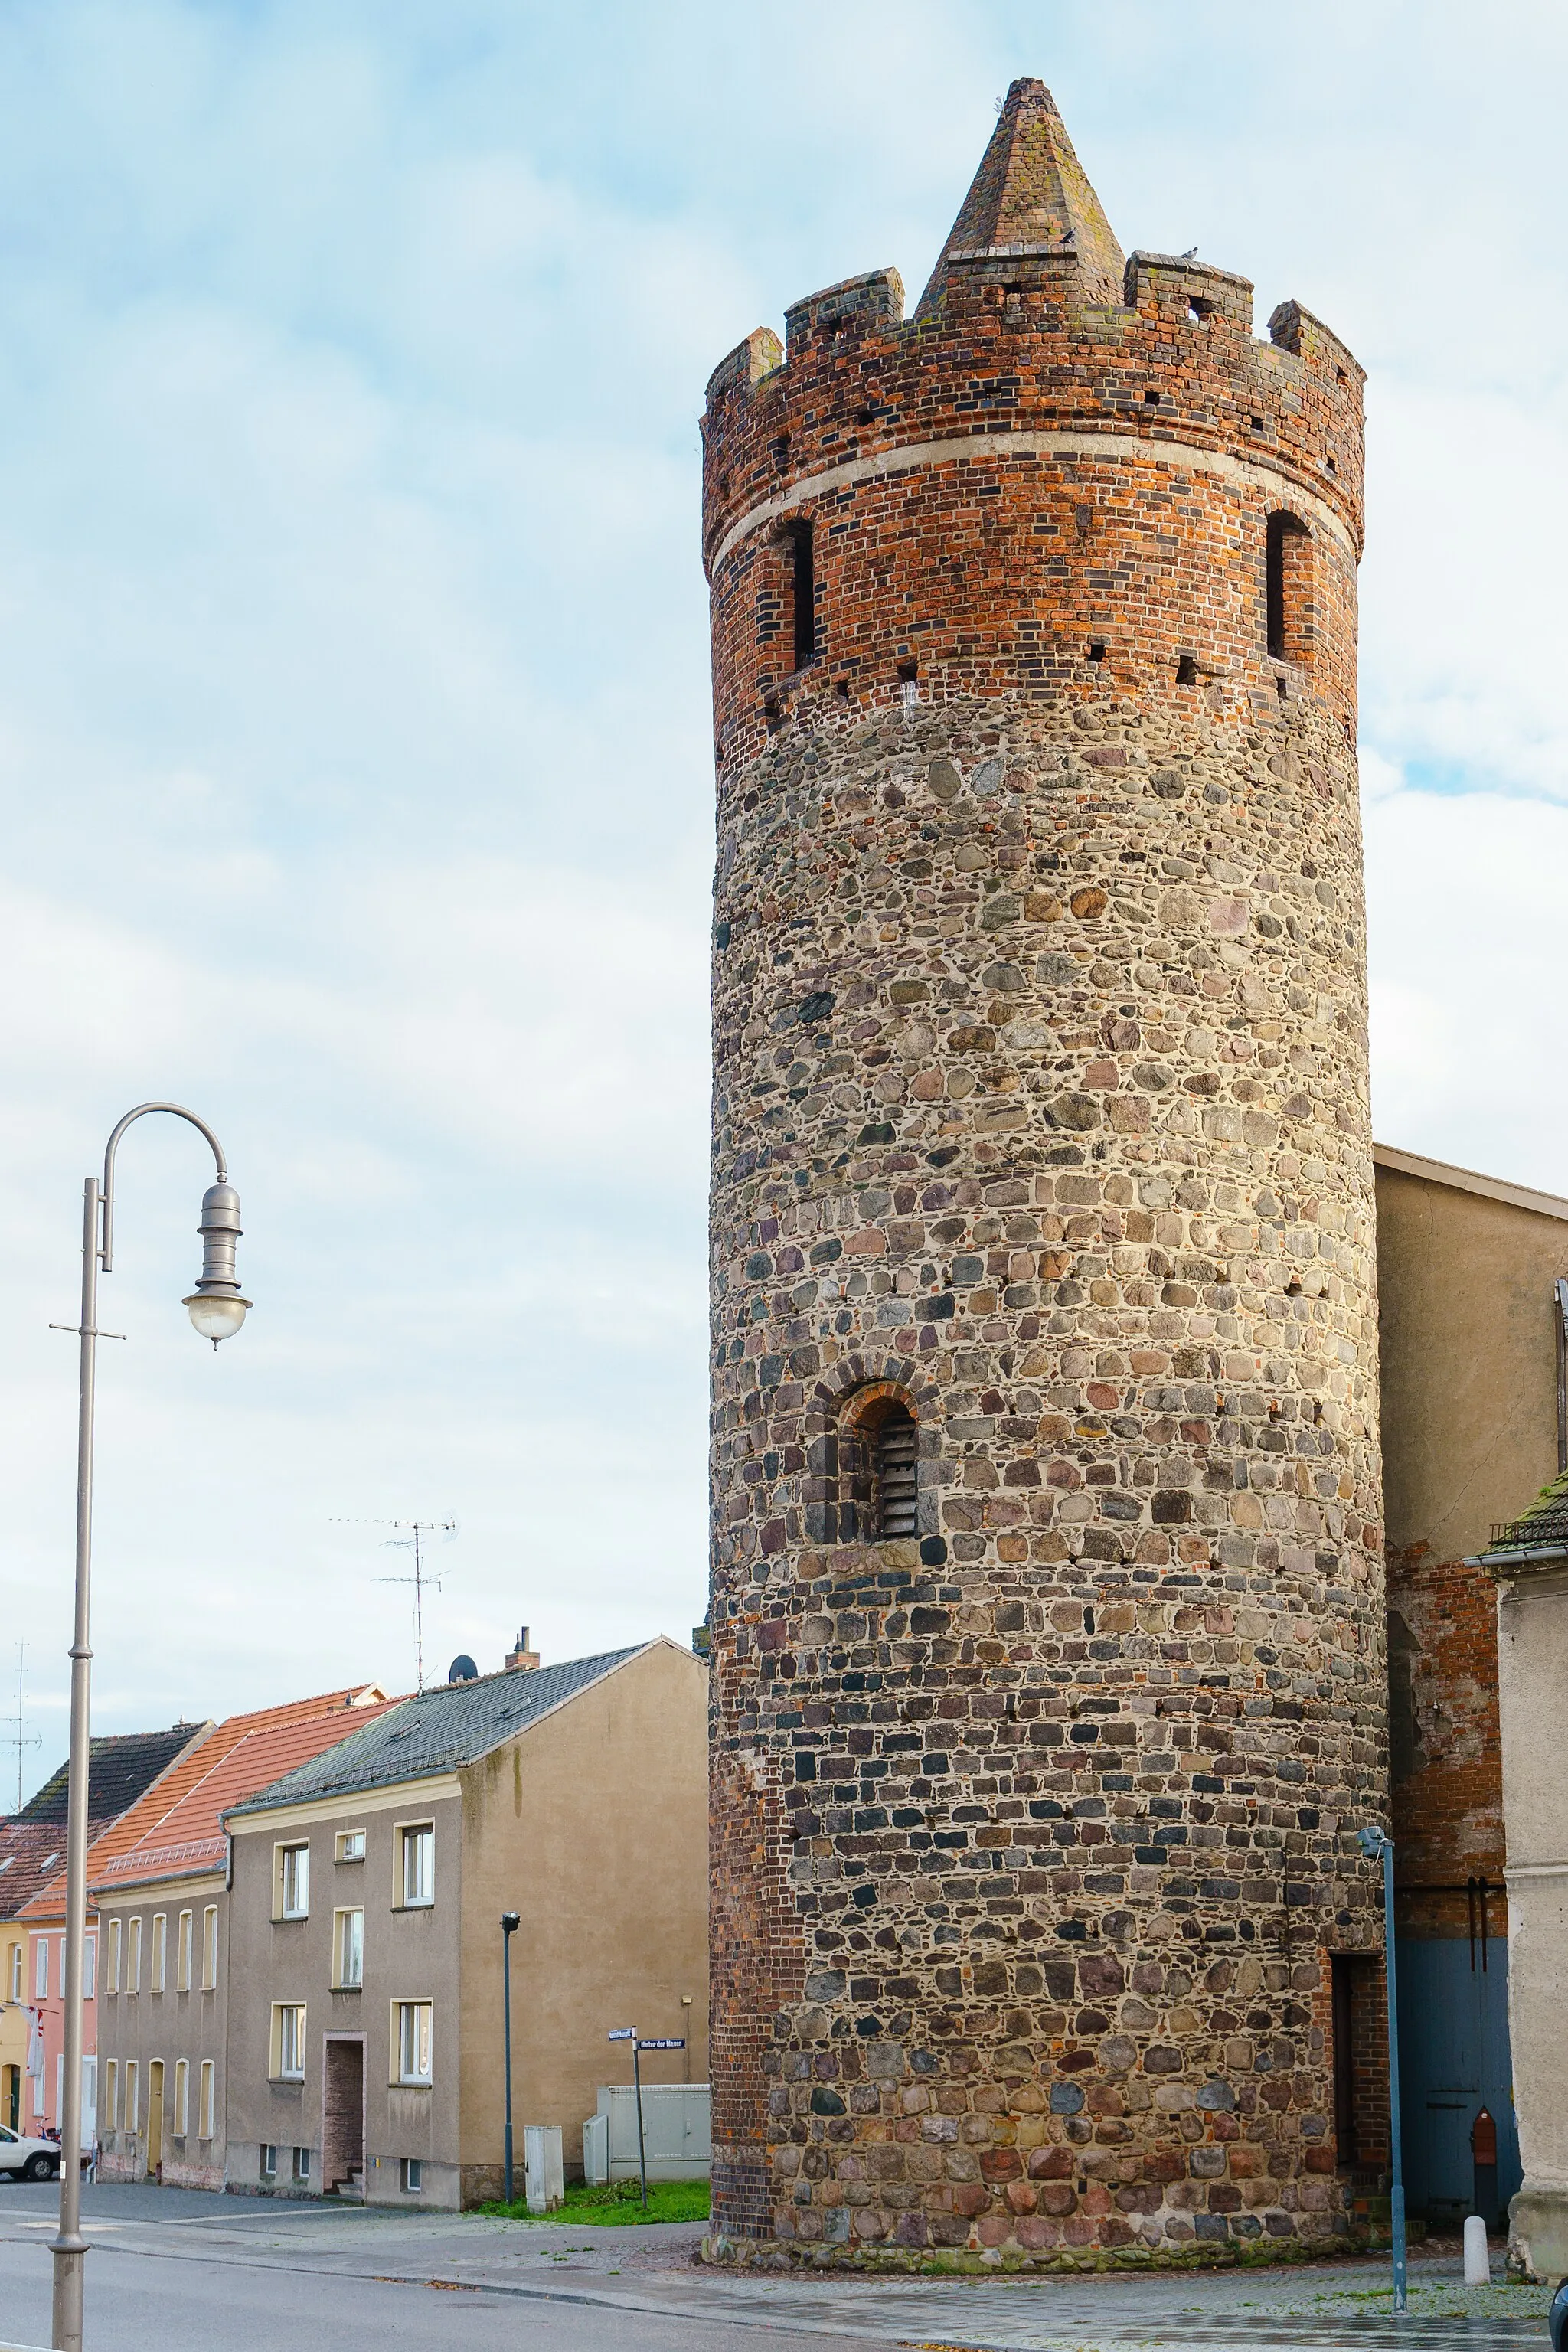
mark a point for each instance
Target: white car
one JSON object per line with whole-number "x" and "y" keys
{"x": 28, "y": 2159}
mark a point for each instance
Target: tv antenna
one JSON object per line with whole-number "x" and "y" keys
{"x": 415, "y": 1536}
{"x": 20, "y": 1740}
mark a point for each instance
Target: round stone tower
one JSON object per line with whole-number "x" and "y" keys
{"x": 1046, "y": 1606}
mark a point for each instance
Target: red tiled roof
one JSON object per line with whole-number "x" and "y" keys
{"x": 176, "y": 1827}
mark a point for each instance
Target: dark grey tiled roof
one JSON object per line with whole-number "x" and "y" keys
{"x": 120, "y": 1766}
{"x": 452, "y": 1725}
{"x": 1545, "y": 1522}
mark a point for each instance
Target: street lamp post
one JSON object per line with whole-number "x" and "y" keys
{"x": 1376, "y": 1845}
{"x": 218, "y": 1310}
{"x": 510, "y": 1923}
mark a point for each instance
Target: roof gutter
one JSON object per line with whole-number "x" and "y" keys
{"x": 1517, "y": 1555}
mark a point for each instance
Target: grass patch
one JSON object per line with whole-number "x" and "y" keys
{"x": 618, "y": 2205}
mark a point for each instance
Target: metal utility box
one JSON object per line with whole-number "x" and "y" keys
{"x": 544, "y": 2176}
{"x": 674, "y": 2133}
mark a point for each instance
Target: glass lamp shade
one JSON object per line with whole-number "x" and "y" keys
{"x": 217, "y": 1314}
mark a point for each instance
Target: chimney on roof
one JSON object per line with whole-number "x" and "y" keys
{"x": 521, "y": 1660}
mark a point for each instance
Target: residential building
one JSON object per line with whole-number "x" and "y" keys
{"x": 364, "y": 2027}
{"x": 162, "y": 1901}
{"x": 29, "y": 1853}
{"x": 120, "y": 1769}
{"x": 1467, "y": 1271}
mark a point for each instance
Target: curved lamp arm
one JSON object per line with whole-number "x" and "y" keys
{"x": 176, "y": 1110}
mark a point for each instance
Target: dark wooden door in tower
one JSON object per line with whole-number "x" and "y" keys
{"x": 1046, "y": 1598}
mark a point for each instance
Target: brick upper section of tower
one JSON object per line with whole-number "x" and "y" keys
{"x": 1032, "y": 323}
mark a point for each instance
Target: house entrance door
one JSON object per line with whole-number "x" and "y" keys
{"x": 155, "y": 2119}
{"x": 342, "y": 2128}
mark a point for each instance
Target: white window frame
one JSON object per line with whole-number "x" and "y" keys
{"x": 114, "y": 1937}
{"x": 40, "y": 1967}
{"x": 348, "y": 1945}
{"x": 183, "y": 1940}
{"x": 413, "y": 2039}
{"x": 158, "y": 1956}
{"x": 133, "y": 1956}
{"x": 291, "y": 1880}
{"x": 209, "y": 1948}
{"x": 288, "y": 2040}
{"x": 302, "y": 2172}
{"x": 413, "y": 2181}
{"x": 350, "y": 1845}
{"x": 206, "y": 2101}
{"x": 89, "y": 1967}
{"x": 416, "y": 1866}
{"x": 133, "y": 2096}
{"x": 112, "y": 2094}
{"x": 182, "y": 2098}
{"x": 19, "y": 1969}
{"x": 269, "y": 2171}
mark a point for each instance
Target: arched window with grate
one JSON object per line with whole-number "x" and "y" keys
{"x": 894, "y": 1473}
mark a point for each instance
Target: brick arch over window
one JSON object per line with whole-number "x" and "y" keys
{"x": 867, "y": 1444}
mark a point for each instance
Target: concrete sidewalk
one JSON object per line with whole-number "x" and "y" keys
{"x": 609, "y": 2277}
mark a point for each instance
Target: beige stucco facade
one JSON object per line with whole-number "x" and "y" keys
{"x": 591, "y": 1823}
{"x": 1532, "y": 1666}
{"x": 1465, "y": 1269}
{"x": 154, "y": 2121}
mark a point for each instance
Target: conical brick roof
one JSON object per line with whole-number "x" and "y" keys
{"x": 1031, "y": 194}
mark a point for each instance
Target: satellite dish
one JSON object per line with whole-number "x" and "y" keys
{"x": 462, "y": 1669}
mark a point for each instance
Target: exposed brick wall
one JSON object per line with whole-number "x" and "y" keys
{"x": 1040, "y": 1093}
{"x": 1445, "y": 1743}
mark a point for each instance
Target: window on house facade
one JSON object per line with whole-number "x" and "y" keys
{"x": 133, "y": 1956}
{"x": 184, "y": 1942}
{"x": 207, "y": 2101}
{"x": 293, "y": 1882}
{"x": 181, "y": 2097}
{"x": 40, "y": 1967}
{"x": 412, "y": 2025}
{"x": 268, "y": 2166}
{"x": 895, "y": 1472}
{"x": 114, "y": 1955}
{"x": 89, "y": 1967}
{"x": 348, "y": 1950}
{"x": 111, "y": 2096}
{"x": 413, "y": 2176}
{"x": 209, "y": 1947}
{"x": 16, "y": 1966}
{"x": 418, "y": 1845}
{"x": 132, "y": 2096}
{"x": 350, "y": 1845}
{"x": 288, "y": 2041}
{"x": 302, "y": 2167}
{"x": 157, "y": 1962}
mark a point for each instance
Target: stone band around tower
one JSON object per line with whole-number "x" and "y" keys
{"x": 1040, "y": 1122}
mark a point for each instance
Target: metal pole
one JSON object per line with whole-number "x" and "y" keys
{"x": 70, "y": 2247}
{"x": 1396, "y": 2189}
{"x": 642, "y": 2154}
{"x": 507, "y": 1925}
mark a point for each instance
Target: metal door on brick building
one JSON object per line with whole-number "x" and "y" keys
{"x": 1453, "y": 2061}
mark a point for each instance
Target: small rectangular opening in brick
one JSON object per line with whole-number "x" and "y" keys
{"x": 1097, "y": 649}
{"x": 1187, "y": 670}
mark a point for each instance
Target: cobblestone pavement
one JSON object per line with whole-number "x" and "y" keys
{"x": 173, "y": 2268}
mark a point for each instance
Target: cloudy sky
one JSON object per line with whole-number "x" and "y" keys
{"x": 353, "y": 742}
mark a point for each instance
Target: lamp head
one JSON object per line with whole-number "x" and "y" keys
{"x": 1371, "y": 1840}
{"x": 510, "y": 1921}
{"x": 215, "y": 1306}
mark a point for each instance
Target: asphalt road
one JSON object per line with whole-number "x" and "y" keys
{"x": 174, "y": 2272}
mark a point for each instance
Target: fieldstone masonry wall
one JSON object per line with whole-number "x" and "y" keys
{"x": 1040, "y": 1095}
